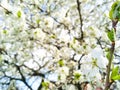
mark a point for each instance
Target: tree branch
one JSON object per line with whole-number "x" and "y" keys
{"x": 80, "y": 18}
{"x": 112, "y": 49}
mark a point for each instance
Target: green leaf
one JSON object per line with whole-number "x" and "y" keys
{"x": 115, "y": 73}
{"x": 61, "y": 62}
{"x": 19, "y": 14}
{"x": 94, "y": 62}
{"x": 117, "y": 77}
{"x": 111, "y": 35}
{"x": 108, "y": 55}
{"x": 77, "y": 76}
{"x": 5, "y": 31}
{"x": 53, "y": 36}
{"x": 37, "y": 21}
{"x": 59, "y": 77}
{"x": 91, "y": 28}
{"x": 84, "y": 46}
{"x": 45, "y": 84}
{"x": 74, "y": 40}
{"x": 114, "y": 13}
{"x": 111, "y": 14}
{"x": 114, "y": 5}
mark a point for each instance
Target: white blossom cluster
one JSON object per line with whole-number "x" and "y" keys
{"x": 43, "y": 36}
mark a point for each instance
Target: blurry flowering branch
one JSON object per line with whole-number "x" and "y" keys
{"x": 37, "y": 41}
{"x": 115, "y": 17}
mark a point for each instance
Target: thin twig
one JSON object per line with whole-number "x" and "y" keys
{"x": 80, "y": 18}
{"x": 112, "y": 49}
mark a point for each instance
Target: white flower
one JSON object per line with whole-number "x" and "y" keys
{"x": 48, "y": 22}
{"x": 70, "y": 87}
{"x": 117, "y": 45}
{"x": 62, "y": 77}
{"x": 65, "y": 53}
{"x": 36, "y": 33}
{"x": 64, "y": 36}
{"x": 77, "y": 71}
{"x": 92, "y": 63}
{"x": 99, "y": 55}
{"x": 61, "y": 13}
{"x": 64, "y": 70}
{"x": 18, "y": 18}
{"x": 66, "y": 20}
{"x": 6, "y": 5}
{"x": 36, "y": 2}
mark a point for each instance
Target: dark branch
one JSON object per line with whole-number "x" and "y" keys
{"x": 6, "y": 10}
{"x": 23, "y": 77}
{"x": 80, "y": 60}
{"x": 80, "y": 18}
